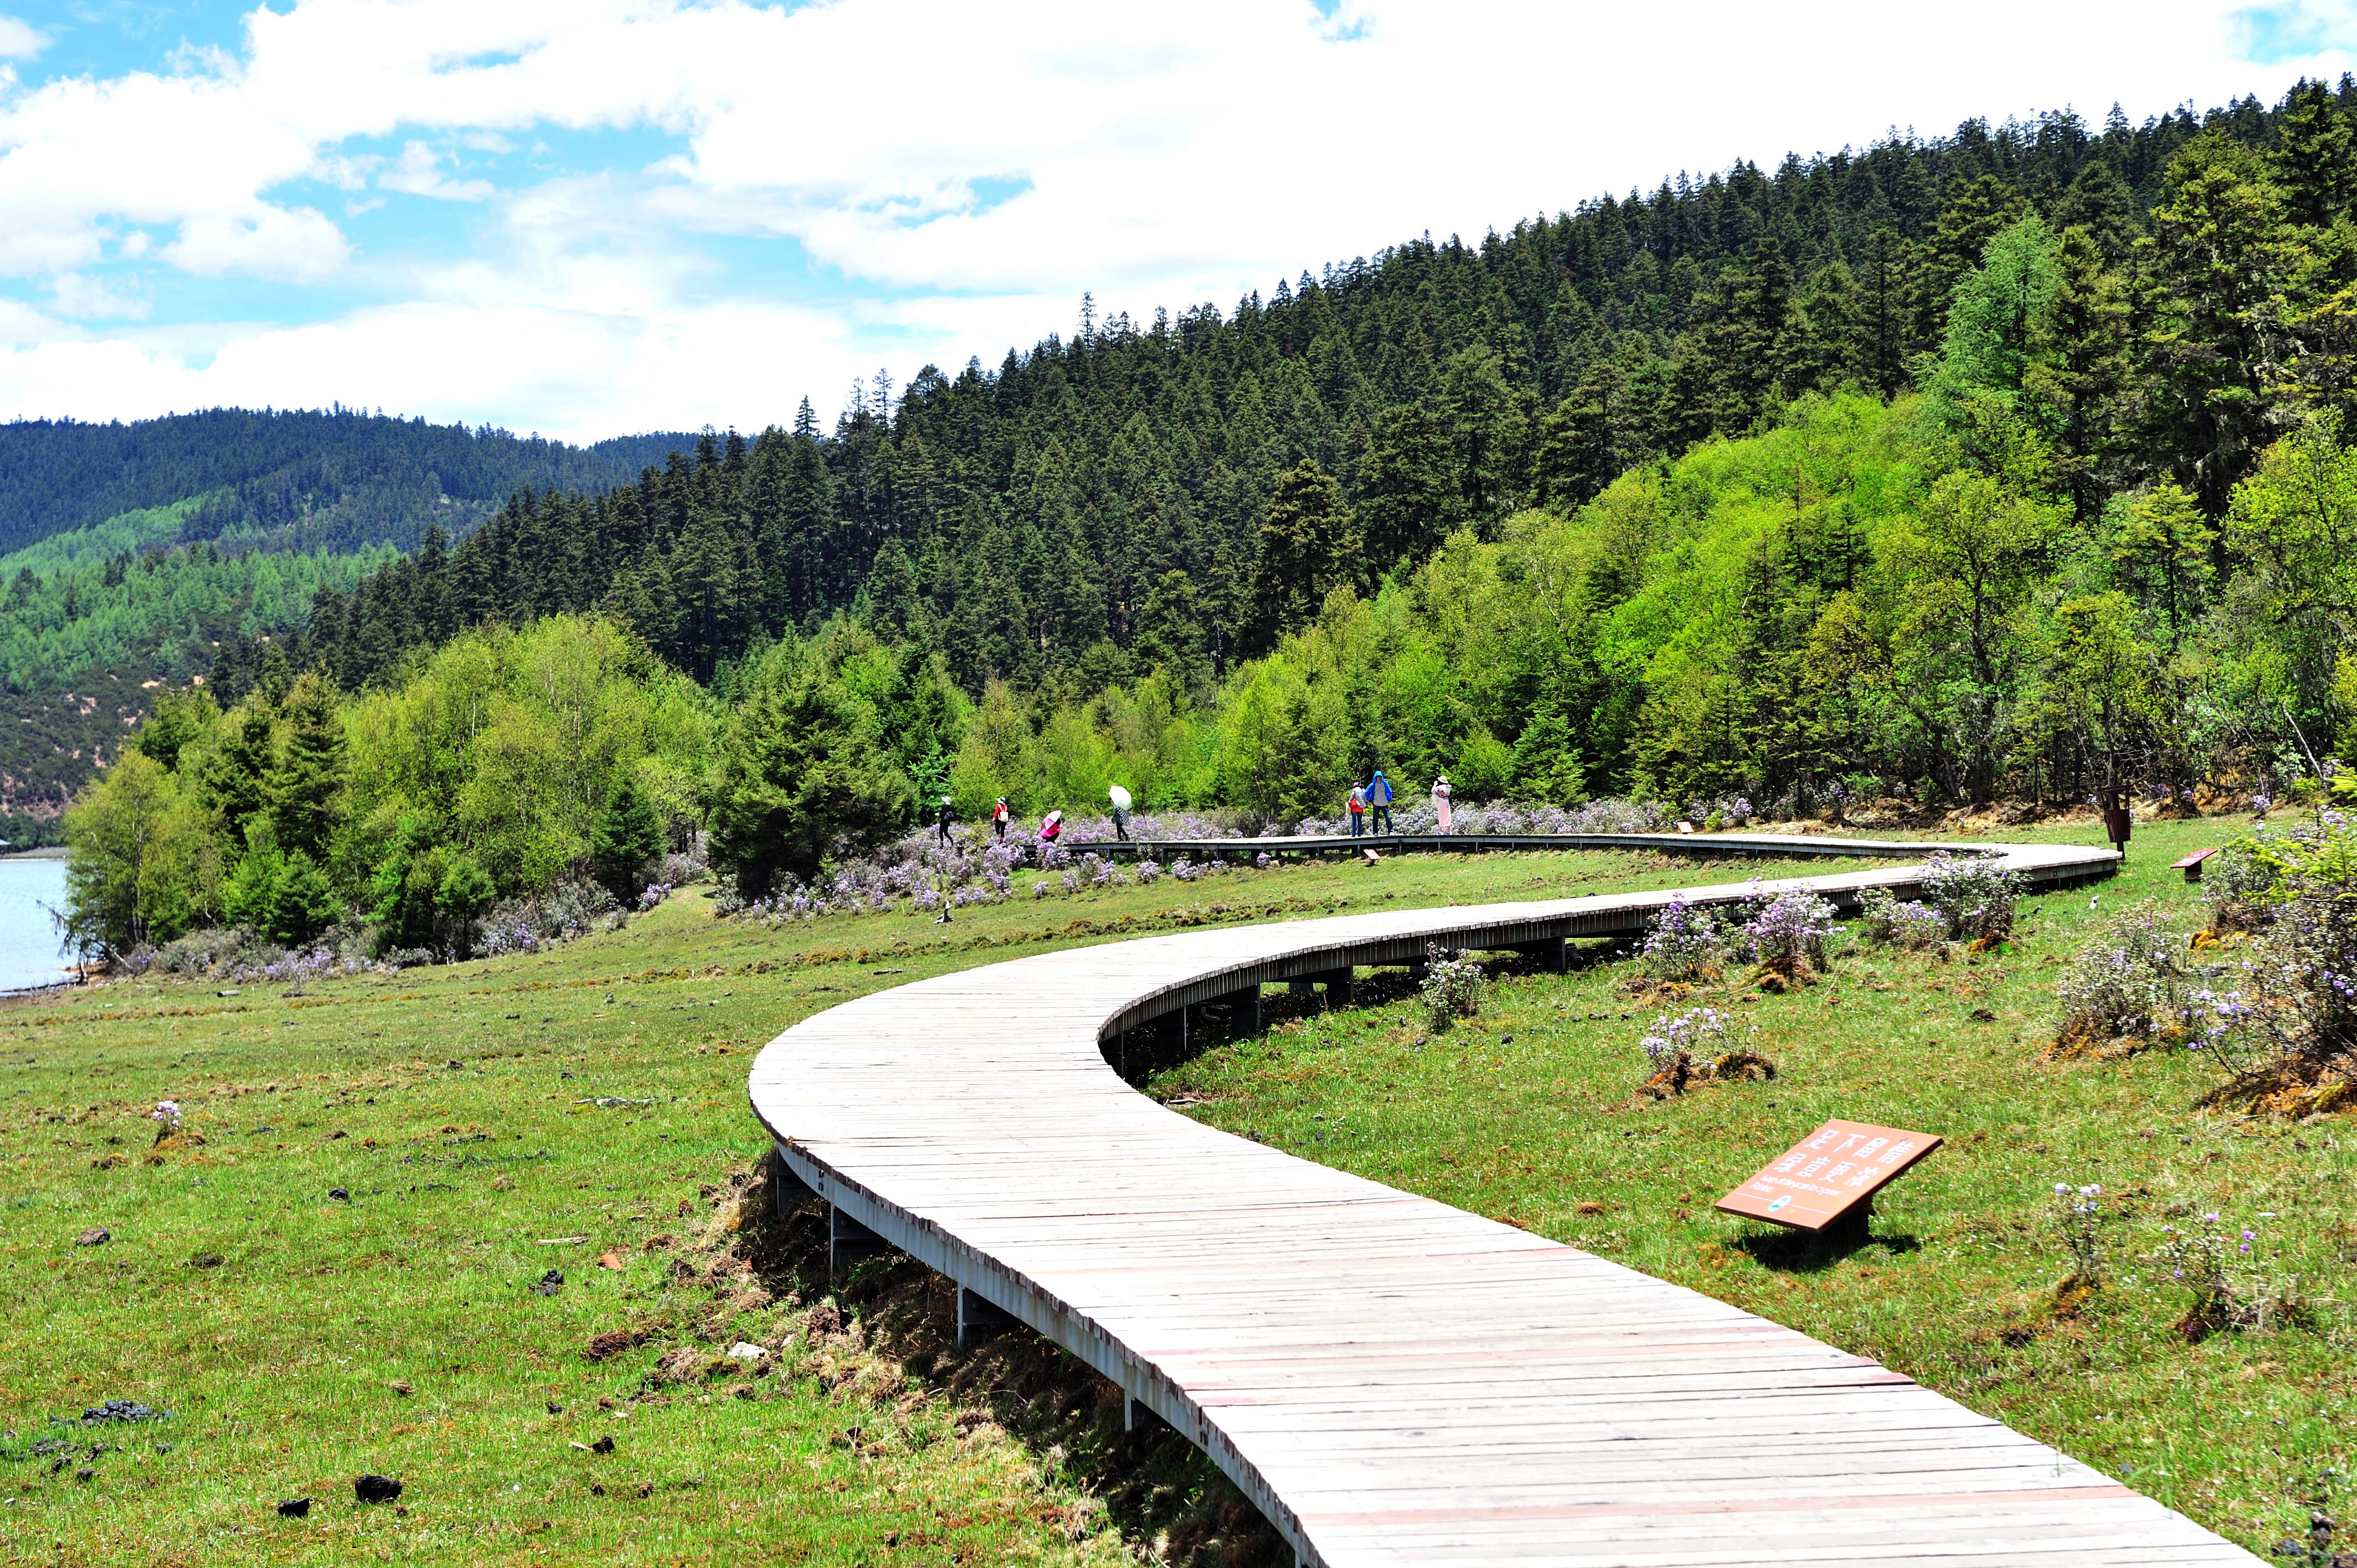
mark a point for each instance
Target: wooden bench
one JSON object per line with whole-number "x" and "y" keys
{"x": 2192, "y": 863}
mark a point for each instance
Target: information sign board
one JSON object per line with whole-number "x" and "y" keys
{"x": 1827, "y": 1175}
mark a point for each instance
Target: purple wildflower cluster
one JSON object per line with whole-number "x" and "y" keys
{"x": 1789, "y": 933}
{"x": 1901, "y": 923}
{"x": 1686, "y": 941}
{"x": 2079, "y": 1216}
{"x": 2130, "y": 982}
{"x": 1513, "y": 817}
{"x": 2287, "y": 1013}
{"x": 1974, "y": 892}
{"x": 922, "y": 875}
{"x": 1692, "y": 1033}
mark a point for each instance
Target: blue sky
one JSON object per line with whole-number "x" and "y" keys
{"x": 586, "y": 217}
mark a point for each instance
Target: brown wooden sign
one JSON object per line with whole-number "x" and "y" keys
{"x": 1827, "y": 1173}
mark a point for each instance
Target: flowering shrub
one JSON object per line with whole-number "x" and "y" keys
{"x": 1901, "y": 923}
{"x": 1973, "y": 892}
{"x": 1451, "y": 989}
{"x": 2078, "y": 1215}
{"x": 2127, "y": 984}
{"x": 1605, "y": 816}
{"x": 571, "y": 908}
{"x": 1685, "y": 943}
{"x": 1690, "y": 1034}
{"x": 2284, "y": 1024}
{"x": 1680, "y": 1049}
{"x": 168, "y": 1112}
{"x": 2231, "y": 1290}
{"x": 1789, "y": 934}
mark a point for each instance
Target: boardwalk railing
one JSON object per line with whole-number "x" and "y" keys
{"x": 1392, "y": 1381}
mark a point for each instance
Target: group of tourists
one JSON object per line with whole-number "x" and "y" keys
{"x": 1370, "y": 807}
{"x": 1370, "y": 812}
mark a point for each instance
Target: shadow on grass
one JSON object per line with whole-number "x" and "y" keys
{"x": 1799, "y": 1252}
{"x": 1157, "y": 1489}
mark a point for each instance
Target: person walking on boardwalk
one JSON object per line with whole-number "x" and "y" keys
{"x": 1120, "y": 812}
{"x": 998, "y": 815}
{"x": 1357, "y": 810}
{"x": 1379, "y": 804}
{"x": 948, "y": 815}
{"x": 1440, "y": 805}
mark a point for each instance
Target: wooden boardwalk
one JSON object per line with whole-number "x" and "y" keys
{"x": 1392, "y": 1381}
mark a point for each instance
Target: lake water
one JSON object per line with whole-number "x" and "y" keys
{"x": 28, "y": 940}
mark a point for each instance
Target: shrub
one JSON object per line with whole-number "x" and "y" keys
{"x": 1901, "y": 923}
{"x": 2078, "y": 1215}
{"x": 2286, "y": 1029}
{"x": 2230, "y": 1289}
{"x": 1451, "y": 989}
{"x": 1974, "y": 893}
{"x": 1685, "y": 943}
{"x": 2127, "y": 984}
{"x": 1690, "y": 1034}
{"x": 1788, "y": 935}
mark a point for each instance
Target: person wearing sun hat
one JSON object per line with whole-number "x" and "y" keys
{"x": 1440, "y": 804}
{"x": 948, "y": 815}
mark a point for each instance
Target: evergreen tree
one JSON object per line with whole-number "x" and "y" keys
{"x": 2079, "y": 364}
{"x": 1409, "y": 497}
{"x": 2316, "y": 160}
{"x": 799, "y": 779}
{"x": 1301, "y": 557}
{"x": 628, "y": 837}
{"x": 308, "y": 781}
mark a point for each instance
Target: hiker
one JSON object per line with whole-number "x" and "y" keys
{"x": 1050, "y": 825}
{"x": 1379, "y": 804}
{"x": 948, "y": 815}
{"x": 1120, "y": 812}
{"x": 1440, "y": 805}
{"x": 1358, "y": 810}
{"x": 998, "y": 815}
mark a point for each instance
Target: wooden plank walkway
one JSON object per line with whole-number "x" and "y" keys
{"x": 1392, "y": 1381}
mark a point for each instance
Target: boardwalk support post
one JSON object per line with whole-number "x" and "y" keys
{"x": 786, "y": 1189}
{"x": 978, "y": 1316}
{"x": 847, "y": 1241}
{"x": 1550, "y": 954}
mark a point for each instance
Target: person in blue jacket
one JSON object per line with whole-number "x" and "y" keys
{"x": 1379, "y": 804}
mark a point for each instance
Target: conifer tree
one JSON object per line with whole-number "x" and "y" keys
{"x": 308, "y": 779}
{"x": 627, "y": 837}
{"x": 1301, "y": 556}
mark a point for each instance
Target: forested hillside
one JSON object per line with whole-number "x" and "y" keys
{"x": 132, "y": 552}
{"x": 2169, "y": 298}
{"x": 1994, "y": 468}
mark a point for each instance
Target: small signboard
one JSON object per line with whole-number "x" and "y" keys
{"x": 1827, "y": 1175}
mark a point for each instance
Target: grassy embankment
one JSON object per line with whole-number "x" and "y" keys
{"x": 300, "y": 1339}
{"x": 1956, "y": 1287}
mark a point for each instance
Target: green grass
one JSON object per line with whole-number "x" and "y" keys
{"x": 1531, "y": 1113}
{"x": 448, "y": 1104}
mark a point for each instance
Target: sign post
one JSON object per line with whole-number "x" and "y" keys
{"x": 1829, "y": 1177}
{"x": 2112, "y": 800}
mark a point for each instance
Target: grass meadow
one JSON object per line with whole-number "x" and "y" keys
{"x": 1532, "y": 1112}
{"x": 328, "y": 1271}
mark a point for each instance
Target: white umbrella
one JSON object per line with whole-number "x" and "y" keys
{"x": 1120, "y": 798}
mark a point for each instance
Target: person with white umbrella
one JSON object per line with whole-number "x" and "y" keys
{"x": 1120, "y": 812}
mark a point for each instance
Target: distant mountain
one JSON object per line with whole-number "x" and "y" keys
{"x": 331, "y": 480}
{"x": 129, "y": 553}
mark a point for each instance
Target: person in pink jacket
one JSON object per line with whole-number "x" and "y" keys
{"x": 1440, "y": 805}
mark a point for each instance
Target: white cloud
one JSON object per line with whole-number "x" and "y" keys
{"x": 295, "y": 244}
{"x": 418, "y": 171}
{"x": 1159, "y": 153}
{"x": 92, "y": 299}
{"x": 20, "y": 41}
